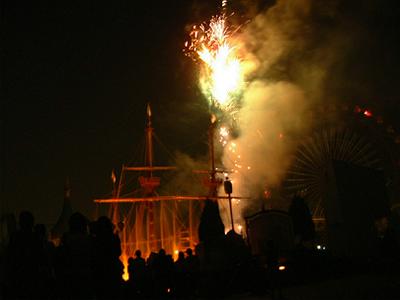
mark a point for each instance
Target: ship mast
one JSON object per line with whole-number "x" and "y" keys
{"x": 149, "y": 183}
{"x": 149, "y": 141}
{"x": 213, "y": 191}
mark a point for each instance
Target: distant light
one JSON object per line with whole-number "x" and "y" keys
{"x": 267, "y": 194}
{"x": 281, "y": 135}
{"x": 176, "y": 252}
{"x": 367, "y": 113}
{"x": 282, "y": 268}
{"x": 323, "y": 248}
{"x": 319, "y": 247}
{"x": 357, "y": 109}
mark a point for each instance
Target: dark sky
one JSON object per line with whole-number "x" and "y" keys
{"x": 77, "y": 79}
{"x": 76, "y": 76}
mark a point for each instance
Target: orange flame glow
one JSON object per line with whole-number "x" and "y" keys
{"x": 124, "y": 259}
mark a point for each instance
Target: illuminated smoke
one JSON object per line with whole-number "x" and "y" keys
{"x": 275, "y": 105}
{"x": 292, "y": 55}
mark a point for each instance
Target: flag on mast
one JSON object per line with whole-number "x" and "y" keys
{"x": 113, "y": 177}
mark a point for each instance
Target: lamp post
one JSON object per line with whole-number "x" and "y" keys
{"x": 228, "y": 190}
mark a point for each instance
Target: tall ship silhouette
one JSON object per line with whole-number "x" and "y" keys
{"x": 148, "y": 220}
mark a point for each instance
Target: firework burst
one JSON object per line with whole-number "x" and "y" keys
{"x": 221, "y": 72}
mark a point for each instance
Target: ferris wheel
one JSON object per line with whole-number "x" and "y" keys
{"x": 354, "y": 136}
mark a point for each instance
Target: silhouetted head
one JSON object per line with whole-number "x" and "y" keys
{"x": 181, "y": 255}
{"x": 104, "y": 225}
{"x": 138, "y": 253}
{"x": 152, "y": 257}
{"x": 26, "y": 220}
{"x": 161, "y": 252}
{"x": 78, "y": 223}
{"x": 189, "y": 251}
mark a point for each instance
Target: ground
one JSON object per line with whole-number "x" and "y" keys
{"x": 355, "y": 287}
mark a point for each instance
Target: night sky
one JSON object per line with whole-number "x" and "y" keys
{"x": 76, "y": 77}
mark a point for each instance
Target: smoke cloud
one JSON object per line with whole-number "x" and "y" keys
{"x": 288, "y": 73}
{"x": 186, "y": 181}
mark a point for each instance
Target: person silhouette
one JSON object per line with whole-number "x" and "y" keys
{"x": 22, "y": 260}
{"x": 180, "y": 276}
{"x": 46, "y": 262}
{"x": 137, "y": 272}
{"x": 108, "y": 268}
{"x": 192, "y": 266}
{"x": 162, "y": 268}
{"x": 74, "y": 260}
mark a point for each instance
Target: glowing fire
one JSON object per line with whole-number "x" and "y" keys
{"x": 124, "y": 259}
{"x": 221, "y": 78}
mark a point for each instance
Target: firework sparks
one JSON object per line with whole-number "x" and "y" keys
{"x": 221, "y": 79}
{"x": 223, "y": 135}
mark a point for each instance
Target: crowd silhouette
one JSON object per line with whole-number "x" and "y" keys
{"x": 86, "y": 263}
